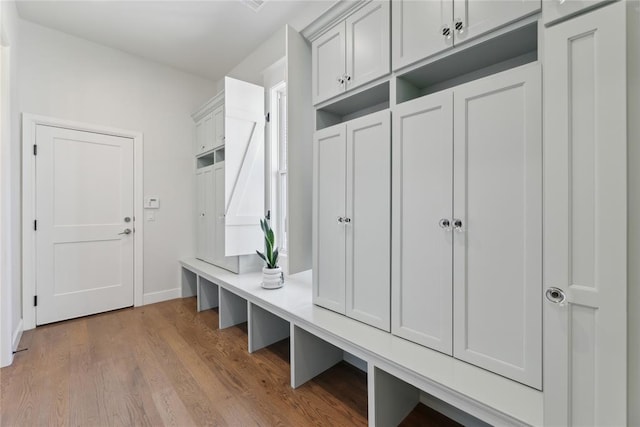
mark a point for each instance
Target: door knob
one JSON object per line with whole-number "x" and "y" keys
{"x": 126, "y": 231}
{"x": 555, "y": 295}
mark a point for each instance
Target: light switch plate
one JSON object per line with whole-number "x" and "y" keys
{"x": 152, "y": 202}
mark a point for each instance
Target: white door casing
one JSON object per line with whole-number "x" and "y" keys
{"x": 585, "y": 234}
{"x": 422, "y": 197}
{"x": 29, "y": 124}
{"x": 368, "y": 201}
{"x": 417, "y": 29}
{"x": 368, "y": 40}
{"x": 244, "y": 166}
{"x": 498, "y": 249}
{"x": 329, "y": 205}
{"x": 84, "y": 191}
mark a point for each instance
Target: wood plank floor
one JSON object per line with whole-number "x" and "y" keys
{"x": 165, "y": 364}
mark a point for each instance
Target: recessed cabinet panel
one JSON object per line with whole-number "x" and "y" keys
{"x": 329, "y": 64}
{"x": 417, "y": 29}
{"x": 367, "y": 44}
{"x": 472, "y": 18}
{"x": 585, "y": 235}
{"x": 422, "y": 211}
{"x": 218, "y": 127}
{"x": 329, "y": 169}
{"x": 369, "y": 219}
{"x": 498, "y": 245}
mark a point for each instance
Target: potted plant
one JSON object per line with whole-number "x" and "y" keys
{"x": 272, "y": 277}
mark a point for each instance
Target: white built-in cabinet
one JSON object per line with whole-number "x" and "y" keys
{"x": 230, "y": 176}
{"x": 210, "y": 131}
{"x": 556, "y": 10}
{"x": 352, "y": 190}
{"x": 352, "y": 53}
{"x": 423, "y": 28}
{"x": 585, "y": 235}
{"x": 467, "y": 227}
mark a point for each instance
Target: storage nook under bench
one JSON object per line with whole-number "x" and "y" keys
{"x": 398, "y": 370}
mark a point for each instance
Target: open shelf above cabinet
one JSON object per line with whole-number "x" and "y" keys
{"x": 368, "y": 101}
{"x": 500, "y": 53}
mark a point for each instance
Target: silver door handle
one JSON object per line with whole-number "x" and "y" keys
{"x": 126, "y": 231}
{"x": 555, "y": 295}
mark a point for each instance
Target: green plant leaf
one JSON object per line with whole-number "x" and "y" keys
{"x": 262, "y": 256}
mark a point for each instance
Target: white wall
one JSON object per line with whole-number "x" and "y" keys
{"x": 70, "y": 78}
{"x": 633, "y": 295}
{"x": 10, "y": 295}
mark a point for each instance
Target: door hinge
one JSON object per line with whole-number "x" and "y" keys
{"x": 35, "y": 225}
{"x": 35, "y": 150}
{"x": 268, "y": 117}
{"x": 35, "y": 300}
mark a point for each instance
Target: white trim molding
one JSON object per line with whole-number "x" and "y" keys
{"x": 160, "y": 296}
{"x": 17, "y": 335}
{"x": 29, "y": 123}
{"x": 331, "y": 17}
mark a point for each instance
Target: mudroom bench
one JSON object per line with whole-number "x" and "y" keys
{"x": 399, "y": 373}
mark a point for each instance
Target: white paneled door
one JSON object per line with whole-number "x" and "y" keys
{"x": 497, "y": 221}
{"x": 84, "y": 242}
{"x": 585, "y": 317}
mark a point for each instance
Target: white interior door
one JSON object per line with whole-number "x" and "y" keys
{"x": 368, "y": 40}
{"x": 84, "y": 192}
{"x": 422, "y": 289}
{"x": 585, "y": 347}
{"x": 498, "y": 246}
{"x": 329, "y": 210}
{"x": 244, "y": 166}
{"x": 368, "y": 226}
{"x": 417, "y": 29}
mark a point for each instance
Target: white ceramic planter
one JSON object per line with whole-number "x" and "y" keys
{"x": 272, "y": 278}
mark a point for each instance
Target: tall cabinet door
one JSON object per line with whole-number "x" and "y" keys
{"x": 217, "y": 213}
{"x": 369, "y": 219}
{"x": 422, "y": 203}
{"x": 586, "y": 220}
{"x": 205, "y": 225}
{"x": 328, "y": 60}
{"x": 417, "y": 29}
{"x": 329, "y": 210}
{"x": 368, "y": 40}
{"x": 498, "y": 241}
{"x": 473, "y": 18}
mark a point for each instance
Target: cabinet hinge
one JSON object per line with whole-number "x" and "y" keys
{"x": 35, "y": 300}
{"x": 35, "y": 225}
{"x": 35, "y": 150}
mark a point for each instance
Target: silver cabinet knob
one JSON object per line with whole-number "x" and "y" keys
{"x": 446, "y": 32}
{"x": 555, "y": 295}
{"x": 340, "y": 220}
{"x": 340, "y": 80}
{"x": 347, "y": 220}
{"x": 459, "y": 26}
{"x": 126, "y": 231}
{"x": 445, "y": 224}
{"x": 457, "y": 225}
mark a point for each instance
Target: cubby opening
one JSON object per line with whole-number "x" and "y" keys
{"x": 219, "y": 155}
{"x": 189, "y": 283}
{"x": 368, "y": 101}
{"x": 205, "y": 160}
{"x": 500, "y": 53}
{"x": 207, "y": 294}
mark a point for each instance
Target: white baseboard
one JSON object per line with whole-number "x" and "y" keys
{"x": 154, "y": 297}
{"x": 451, "y": 411}
{"x": 17, "y": 335}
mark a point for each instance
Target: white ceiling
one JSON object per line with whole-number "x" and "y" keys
{"x": 206, "y": 38}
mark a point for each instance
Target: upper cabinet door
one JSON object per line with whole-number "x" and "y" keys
{"x": 218, "y": 126}
{"x": 417, "y": 28}
{"x": 329, "y": 64}
{"x": 555, "y": 10}
{"x": 244, "y": 166}
{"x": 369, "y": 219}
{"x": 329, "y": 176}
{"x": 204, "y": 134}
{"x": 585, "y": 233}
{"x": 498, "y": 243}
{"x": 368, "y": 55}
{"x": 422, "y": 205}
{"x": 472, "y": 18}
